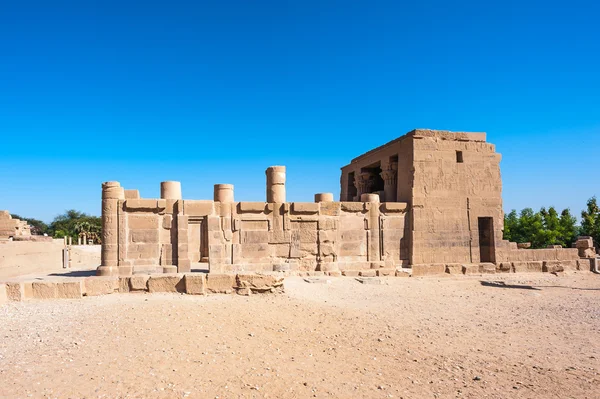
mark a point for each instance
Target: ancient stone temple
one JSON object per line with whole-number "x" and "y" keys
{"x": 429, "y": 201}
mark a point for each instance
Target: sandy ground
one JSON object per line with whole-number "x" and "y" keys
{"x": 521, "y": 336}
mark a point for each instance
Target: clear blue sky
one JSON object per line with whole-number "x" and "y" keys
{"x": 215, "y": 91}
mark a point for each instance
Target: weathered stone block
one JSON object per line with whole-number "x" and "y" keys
{"x": 393, "y": 207}
{"x": 552, "y": 266}
{"x": 350, "y": 273}
{"x": 69, "y": 289}
{"x": 166, "y": 283}
{"x": 138, "y": 282}
{"x": 195, "y": 284}
{"x": 251, "y": 207}
{"x": 220, "y": 283}
{"x": 570, "y": 264}
{"x": 305, "y": 207}
{"x": 527, "y": 267}
{"x": 198, "y": 208}
{"x": 330, "y": 209}
{"x": 124, "y": 284}
{"x": 142, "y": 221}
{"x": 454, "y": 268}
{"x": 254, "y": 237}
{"x": 144, "y": 236}
{"x": 471, "y": 269}
{"x": 402, "y": 272}
{"x": 259, "y": 283}
{"x": 368, "y": 273}
{"x": 328, "y": 224}
{"x": 98, "y": 285}
{"x": 428, "y": 269}
{"x": 504, "y": 267}
{"x": 43, "y": 290}
{"x": 15, "y": 291}
{"x": 584, "y": 265}
{"x": 141, "y": 204}
{"x": 584, "y": 242}
{"x": 352, "y": 206}
{"x": 487, "y": 268}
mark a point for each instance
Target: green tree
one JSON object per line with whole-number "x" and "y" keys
{"x": 590, "y": 220}
{"x": 72, "y": 223}
{"x": 511, "y": 227}
{"x": 568, "y": 228}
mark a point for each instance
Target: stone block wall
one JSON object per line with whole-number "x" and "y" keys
{"x": 168, "y": 235}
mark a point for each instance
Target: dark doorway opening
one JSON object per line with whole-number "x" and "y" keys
{"x": 352, "y": 191}
{"x": 486, "y": 240}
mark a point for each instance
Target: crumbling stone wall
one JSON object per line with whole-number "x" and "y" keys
{"x": 10, "y": 228}
{"x": 156, "y": 235}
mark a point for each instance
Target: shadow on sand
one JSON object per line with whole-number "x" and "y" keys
{"x": 502, "y": 284}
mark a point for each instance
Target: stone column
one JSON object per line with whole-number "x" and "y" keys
{"x": 374, "y": 232}
{"x": 223, "y": 193}
{"x": 390, "y": 179}
{"x": 324, "y": 197}
{"x": 112, "y": 192}
{"x": 276, "y": 184}
{"x": 362, "y": 182}
{"x": 170, "y": 190}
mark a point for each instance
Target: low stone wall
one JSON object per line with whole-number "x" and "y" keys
{"x": 84, "y": 256}
{"x": 546, "y": 266}
{"x": 19, "y": 258}
{"x": 189, "y": 283}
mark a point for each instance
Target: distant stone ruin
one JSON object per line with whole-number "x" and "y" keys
{"x": 11, "y": 228}
{"x": 428, "y": 202}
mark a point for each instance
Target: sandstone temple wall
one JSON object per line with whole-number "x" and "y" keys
{"x": 167, "y": 235}
{"x": 429, "y": 200}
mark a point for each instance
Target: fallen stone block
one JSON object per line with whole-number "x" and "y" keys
{"x": 15, "y": 292}
{"x": 385, "y": 272}
{"x": 99, "y": 285}
{"x": 369, "y": 280}
{"x": 552, "y": 266}
{"x": 195, "y": 284}
{"x": 166, "y": 283}
{"x": 259, "y": 283}
{"x": 428, "y": 269}
{"x": 220, "y": 283}
{"x": 368, "y": 273}
{"x": 587, "y": 252}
